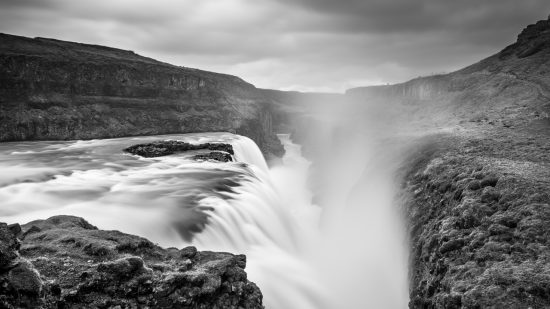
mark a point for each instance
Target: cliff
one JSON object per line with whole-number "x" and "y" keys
{"x": 479, "y": 218}
{"x": 51, "y": 89}
{"x": 476, "y": 194}
{"x": 65, "y": 262}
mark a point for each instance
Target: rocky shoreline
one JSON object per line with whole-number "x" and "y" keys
{"x": 65, "y": 262}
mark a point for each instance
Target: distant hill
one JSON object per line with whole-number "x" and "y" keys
{"x": 512, "y": 86}
{"x": 51, "y": 89}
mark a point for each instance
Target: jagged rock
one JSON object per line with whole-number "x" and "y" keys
{"x": 57, "y": 270}
{"x": 531, "y": 40}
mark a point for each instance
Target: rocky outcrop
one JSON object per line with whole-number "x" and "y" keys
{"x": 52, "y": 89}
{"x": 479, "y": 215}
{"x": 164, "y": 148}
{"x": 65, "y": 262}
{"x": 532, "y": 40}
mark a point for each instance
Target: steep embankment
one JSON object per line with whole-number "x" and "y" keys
{"x": 479, "y": 215}
{"x": 477, "y": 195}
{"x": 52, "y": 89}
{"x": 65, "y": 262}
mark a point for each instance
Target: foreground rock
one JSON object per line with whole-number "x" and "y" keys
{"x": 65, "y": 262}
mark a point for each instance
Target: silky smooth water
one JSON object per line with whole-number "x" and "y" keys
{"x": 351, "y": 253}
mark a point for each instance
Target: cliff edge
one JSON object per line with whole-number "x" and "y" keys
{"x": 476, "y": 192}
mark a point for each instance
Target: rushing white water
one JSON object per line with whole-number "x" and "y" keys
{"x": 349, "y": 254}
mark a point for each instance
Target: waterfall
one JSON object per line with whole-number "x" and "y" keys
{"x": 247, "y": 151}
{"x": 349, "y": 255}
{"x": 261, "y": 219}
{"x": 348, "y": 252}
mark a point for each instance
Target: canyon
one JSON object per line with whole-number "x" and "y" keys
{"x": 473, "y": 175}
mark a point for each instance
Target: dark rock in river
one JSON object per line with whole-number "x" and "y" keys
{"x": 164, "y": 148}
{"x": 57, "y": 90}
{"x": 65, "y": 262}
{"x": 214, "y": 156}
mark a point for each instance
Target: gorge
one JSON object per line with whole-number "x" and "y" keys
{"x": 429, "y": 194}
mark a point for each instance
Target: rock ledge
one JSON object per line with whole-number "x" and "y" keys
{"x": 65, "y": 262}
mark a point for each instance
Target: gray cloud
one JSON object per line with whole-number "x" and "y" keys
{"x": 288, "y": 44}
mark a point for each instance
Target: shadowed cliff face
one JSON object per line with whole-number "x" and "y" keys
{"x": 52, "y": 89}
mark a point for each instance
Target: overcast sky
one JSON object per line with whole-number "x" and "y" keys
{"x": 306, "y": 45}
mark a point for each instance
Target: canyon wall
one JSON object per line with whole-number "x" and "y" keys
{"x": 52, "y": 90}
{"x": 475, "y": 188}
